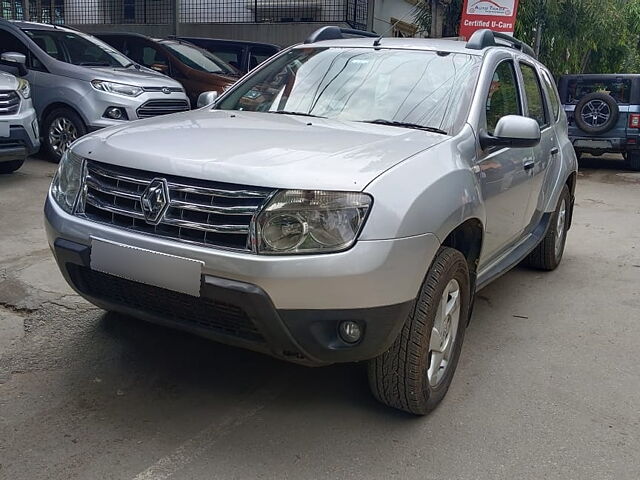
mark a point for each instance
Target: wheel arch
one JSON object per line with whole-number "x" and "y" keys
{"x": 467, "y": 238}
{"x": 58, "y": 104}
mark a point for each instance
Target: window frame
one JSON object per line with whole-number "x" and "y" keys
{"x": 547, "y": 117}
{"x": 519, "y": 92}
{"x": 552, "y": 90}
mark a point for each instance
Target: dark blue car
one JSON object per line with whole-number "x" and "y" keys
{"x": 603, "y": 113}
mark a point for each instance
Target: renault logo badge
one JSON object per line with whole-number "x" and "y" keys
{"x": 155, "y": 200}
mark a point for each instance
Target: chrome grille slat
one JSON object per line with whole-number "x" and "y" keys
{"x": 198, "y": 207}
{"x": 205, "y": 227}
{"x": 201, "y": 212}
{"x": 218, "y": 193}
{"x": 101, "y": 204}
{"x": 9, "y": 102}
{"x": 153, "y": 108}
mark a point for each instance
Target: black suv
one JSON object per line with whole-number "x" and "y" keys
{"x": 603, "y": 113}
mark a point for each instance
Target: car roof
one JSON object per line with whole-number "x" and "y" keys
{"x": 21, "y": 24}
{"x": 226, "y": 41}
{"x": 430, "y": 44}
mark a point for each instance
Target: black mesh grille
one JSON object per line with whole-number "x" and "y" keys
{"x": 217, "y": 316}
{"x": 154, "y": 108}
{"x": 9, "y": 102}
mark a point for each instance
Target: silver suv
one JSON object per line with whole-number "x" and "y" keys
{"x": 343, "y": 202}
{"x": 81, "y": 84}
{"x": 18, "y": 123}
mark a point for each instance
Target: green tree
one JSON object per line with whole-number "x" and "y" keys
{"x": 571, "y": 36}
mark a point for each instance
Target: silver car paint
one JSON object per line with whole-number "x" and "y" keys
{"x": 70, "y": 85}
{"x": 424, "y": 186}
{"x": 26, "y": 115}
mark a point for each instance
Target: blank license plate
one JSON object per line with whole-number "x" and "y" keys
{"x": 593, "y": 143}
{"x": 146, "y": 266}
{"x": 4, "y": 129}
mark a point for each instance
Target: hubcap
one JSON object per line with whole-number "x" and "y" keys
{"x": 560, "y": 227}
{"x": 62, "y": 133}
{"x": 596, "y": 113}
{"x": 443, "y": 333}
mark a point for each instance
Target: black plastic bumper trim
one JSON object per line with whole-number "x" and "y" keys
{"x": 309, "y": 337}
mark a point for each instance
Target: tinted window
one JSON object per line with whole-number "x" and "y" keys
{"x": 552, "y": 93}
{"x": 147, "y": 54}
{"x": 619, "y": 89}
{"x": 231, "y": 55}
{"x": 10, "y": 43}
{"x": 77, "y": 48}
{"x": 503, "y": 96}
{"x": 257, "y": 55}
{"x": 417, "y": 87}
{"x": 533, "y": 91}
{"x": 199, "y": 59}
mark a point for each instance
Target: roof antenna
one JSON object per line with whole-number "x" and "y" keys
{"x": 376, "y": 42}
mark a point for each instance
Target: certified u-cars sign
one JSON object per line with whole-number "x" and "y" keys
{"x": 496, "y": 15}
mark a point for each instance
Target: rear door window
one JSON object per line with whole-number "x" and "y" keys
{"x": 533, "y": 91}
{"x": 552, "y": 93}
{"x": 619, "y": 89}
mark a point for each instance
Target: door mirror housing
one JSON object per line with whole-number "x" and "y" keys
{"x": 17, "y": 60}
{"x": 513, "y": 131}
{"x": 207, "y": 98}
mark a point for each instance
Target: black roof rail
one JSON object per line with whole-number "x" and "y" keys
{"x": 336, "y": 33}
{"x": 484, "y": 38}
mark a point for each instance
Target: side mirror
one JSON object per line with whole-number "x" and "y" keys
{"x": 15, "y": 59}
{"x": 207, "y": 98}
{"x": 512, "y": 131}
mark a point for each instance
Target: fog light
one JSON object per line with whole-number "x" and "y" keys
{"x": 115, "y": 113}
{"x": 349, "y": 331}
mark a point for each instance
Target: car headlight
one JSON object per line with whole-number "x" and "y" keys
{"x": 117, "y": 88}
{"x": 24, "y": 89}
{"x": 67, "y": 181}
{"x": 311, "y": 221}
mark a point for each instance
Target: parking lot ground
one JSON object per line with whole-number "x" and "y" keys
{"x": 548, "y": 385}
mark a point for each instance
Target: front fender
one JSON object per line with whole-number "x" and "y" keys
{"x": 432, "y": 192}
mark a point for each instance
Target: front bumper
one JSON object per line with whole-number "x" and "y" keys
{"x": 98, "y": 102}
{"x": 20, "y": 143}
{"x": 289, "y": 307}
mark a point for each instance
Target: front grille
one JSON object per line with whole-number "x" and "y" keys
{"x": 9, "y": 102}
{"x": 207, "y": 213}
{"x": 163, "y": 89}
{"x": 153, "y": 108}
{"x": 213, "y": 315}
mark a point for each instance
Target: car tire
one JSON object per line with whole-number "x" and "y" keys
{"x": 633, "y": 158}
{"x": 61, "y": 127}
{"x": 406, "y": 377}
{"x": 548, "y": 254}
{"x": 588, "y": 104}
{"x": 10, "y": 167}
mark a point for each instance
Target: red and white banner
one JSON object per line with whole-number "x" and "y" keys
{"x": 496, "y": 15}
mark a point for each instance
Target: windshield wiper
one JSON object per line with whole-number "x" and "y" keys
{"x": 415, "y": 126}
{"x": 302, "y": 114}
{"x": 94, "y": 64}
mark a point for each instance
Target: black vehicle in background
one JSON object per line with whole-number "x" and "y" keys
{"x": 603, "y": 111}
{"x": 243, "y": 55}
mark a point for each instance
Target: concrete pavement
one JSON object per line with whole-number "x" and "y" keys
{"x": 547, "y": 386}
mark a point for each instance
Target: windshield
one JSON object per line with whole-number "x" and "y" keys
{"x": 428, "y": 89}
{"x": 77, "y": 48}
{"x": 199, "y": 59}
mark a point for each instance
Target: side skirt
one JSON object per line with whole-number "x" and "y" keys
{"x": 516, "y": 255}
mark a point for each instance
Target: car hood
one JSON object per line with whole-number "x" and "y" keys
{"x": 258, "y": 149}
{"x": 8, "y": 81}
{"x": 143, "y": 77}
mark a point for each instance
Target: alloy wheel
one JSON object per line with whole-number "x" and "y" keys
{"x": 62, "y": 133}
{"x": 443, "y": 333}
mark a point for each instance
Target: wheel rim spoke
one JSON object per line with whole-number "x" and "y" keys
{"x": 444, "y": 332}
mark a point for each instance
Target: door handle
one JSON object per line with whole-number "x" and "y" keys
{"x": 529, "y": 164}
{"x": 555, "y": 151}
